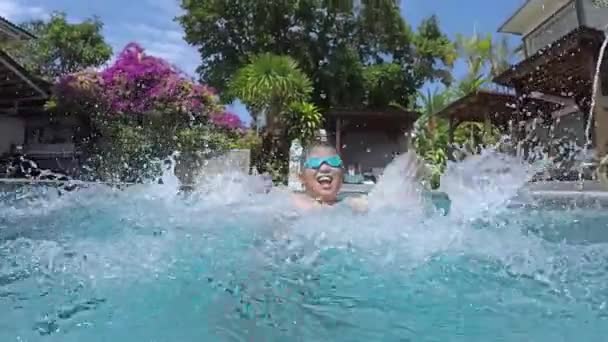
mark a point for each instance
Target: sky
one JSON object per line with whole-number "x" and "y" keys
{"x": 150, "y": 22}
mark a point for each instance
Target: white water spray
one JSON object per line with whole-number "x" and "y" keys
{"x": 483, "y": 183}
{"x": 149, "y": 252}
{"x": 594, "y": 91}
{"x": 400, "y": 187}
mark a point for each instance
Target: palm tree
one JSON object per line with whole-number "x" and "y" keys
{"x": 486, "y": 58}
{"x": 501, "y": 56}
{"x": 274, "y": 86}
{"x": 432, "y": 103}
{"x": 475, "y": 50}
{"x": 269, "y": 85}
{"x": 430, "y": 136}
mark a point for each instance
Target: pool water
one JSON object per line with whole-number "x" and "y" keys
{"x": 228, "y": 264}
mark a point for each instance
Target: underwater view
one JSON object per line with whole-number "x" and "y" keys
{"x": 303, "y": 170}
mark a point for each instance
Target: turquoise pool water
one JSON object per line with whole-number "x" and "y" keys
{"x": 145, "y": 264}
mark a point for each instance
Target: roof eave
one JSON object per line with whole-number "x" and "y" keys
{"x": 373, "y": 112}
{"x": 15, "y": 30}
{"x": 36, "y": 84}
{"x": 506, "y": 78}
{"x": 504, "y": 27}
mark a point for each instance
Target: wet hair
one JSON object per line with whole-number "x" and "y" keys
{"x": 319, "y": 145}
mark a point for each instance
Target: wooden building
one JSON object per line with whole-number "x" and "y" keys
{"x": 23, "y": 120}
{"x": 369, "y": 139}
{"x": 550, "y": 91}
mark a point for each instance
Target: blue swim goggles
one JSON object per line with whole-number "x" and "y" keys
{"x": 315, "y": 162}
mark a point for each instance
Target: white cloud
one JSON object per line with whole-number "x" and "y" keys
{"x": 150, "y": 24}
{"x": 158, "y": 33}
{"x": 17, "y": 10}
{"x": 167, "y": 43}
{"x": 168, "y": 7}
{"x": 162, "y": 36}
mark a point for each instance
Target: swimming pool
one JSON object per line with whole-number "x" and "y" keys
{"x": 225, "y": 264}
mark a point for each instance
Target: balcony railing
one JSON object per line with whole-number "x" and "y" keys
{"x": 50, "y": 150}
{"x": 558, "y": 25}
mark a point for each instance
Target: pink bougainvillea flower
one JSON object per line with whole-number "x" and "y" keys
{"x": 139, "y": 84}
{"x": 228, "y": 120}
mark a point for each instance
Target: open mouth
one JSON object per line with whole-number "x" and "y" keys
{"x": 325, "y": 179}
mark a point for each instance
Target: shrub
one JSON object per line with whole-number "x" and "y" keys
{"x": 141, "y": 109}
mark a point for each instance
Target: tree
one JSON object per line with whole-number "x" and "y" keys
{"x": 431, "y": 136}
{"x": 334, "y": 42}
{"x": 485, "y": 58}
{"x": 269, "y": 85}
{"x": 275, "y": 86}
{"x": 431, "y": 104}
{"x": 61, "y": 47}
{"x": 502, "y": 56}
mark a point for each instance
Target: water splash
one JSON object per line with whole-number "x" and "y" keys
{"x": 594, "y": 91}
{"x": 168, "y": 177}
{"x": 111, "y": 264}
{"x": 400, "y": 186}
{"x": 483, "y": 183}
{"x": 479, "y": 185}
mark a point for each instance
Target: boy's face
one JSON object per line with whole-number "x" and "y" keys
{"x": 322, "y": 183}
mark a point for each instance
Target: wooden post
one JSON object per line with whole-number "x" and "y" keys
{"x": 339, "y": 135}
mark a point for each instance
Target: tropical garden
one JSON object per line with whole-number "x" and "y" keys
{"x": 485, "y": 59}
{"x": 288, "y": 61}
{"x": 133, "y": 112}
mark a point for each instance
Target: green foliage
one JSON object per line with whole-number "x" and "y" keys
{"x": 476, "y": 52}
{"x": 355, "y": 54}
{"x": 270, "y": 83}
{"x": 432, "y": 146}
{"x": 431, "y": 134}
{"x": 383, "y": 84}
{"x": 431, "y": 138}
{"x": 276, "y": 86}
{"x": 133, "y": 153}
{"x": 202, "y": 139}
{"x": 432, "y": 45}
{"x": 471, "y": 83}
{"x": 334, "y": 42}
{"x": 126, "y": 156}
{"x": 139, "y": 111}
{"x": 62, "y": 47}
{"x": 485, "y": 57}
{"x": 431, "y": 104}
{"x": 502, "y": 56}
{"x": 303, "y": 122}
{"x": 475, "y": 135}
{"x": 249, "y": 141}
